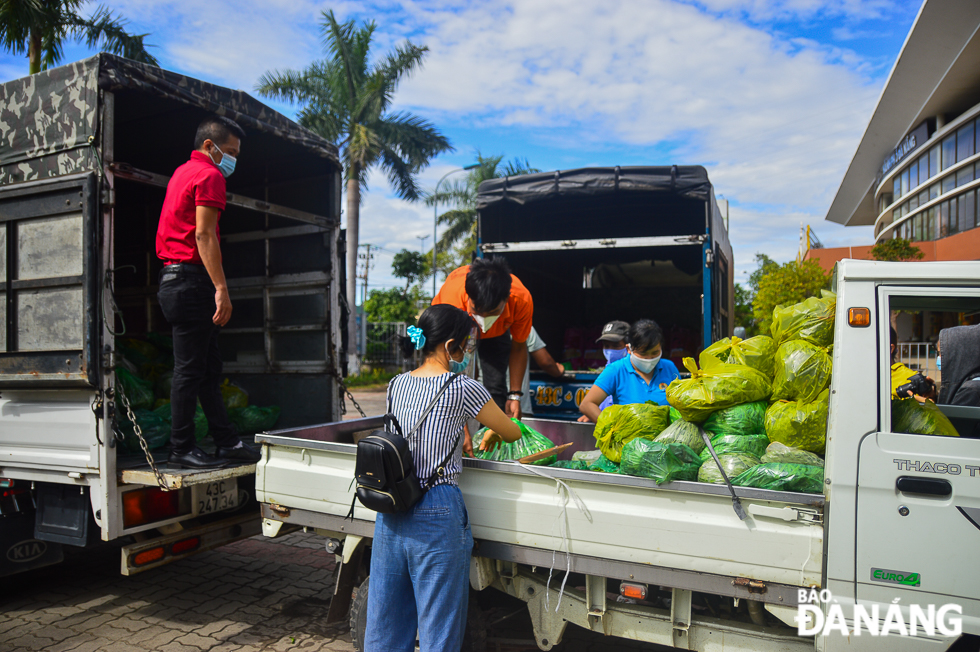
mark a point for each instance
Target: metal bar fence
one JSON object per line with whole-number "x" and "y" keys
{"x": 919, "y": 356}
{"x": 382, "y": 345}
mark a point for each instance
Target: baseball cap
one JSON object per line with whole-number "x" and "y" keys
{"x": 614, "y": 331}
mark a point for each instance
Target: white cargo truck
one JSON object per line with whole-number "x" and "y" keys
{"x": 886, "y": 558}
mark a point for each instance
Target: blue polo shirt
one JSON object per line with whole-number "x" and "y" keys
{"x": 625, "y": 386}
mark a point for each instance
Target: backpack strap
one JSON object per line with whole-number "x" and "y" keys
{"x": 430, "y": 406}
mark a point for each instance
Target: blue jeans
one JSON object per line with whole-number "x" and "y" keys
{"x": 420, "y": 576}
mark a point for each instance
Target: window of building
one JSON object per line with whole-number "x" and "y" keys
{"x": 897, "y": 187}
{"x": 971, "y": 209}
{"x": 949, "y": 151}
{"x": 913, "y": 203}
{"x": 965, "y": 221}
{"x": 964, "y": 176}
{"x": 933, "y": 191}
{"x": 914, "y": 175}
{"x": 953, "y": 222}
{"x": 931, "y": 222}
{"x": 905, "y": 182}
{"x": 934, "y": 161}
{"x": 923, "y": 197}
{"x": 943, "y": 218}
{"x": 964, "y": 142}
{"x": 949, "y": 183}
{"x": 923, "y": 168}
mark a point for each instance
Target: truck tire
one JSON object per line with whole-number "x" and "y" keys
{"x": 474, "y": 640}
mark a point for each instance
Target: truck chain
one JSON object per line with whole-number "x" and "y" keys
{"x": 340, "y": 382}
{"x": 139, "y": 434}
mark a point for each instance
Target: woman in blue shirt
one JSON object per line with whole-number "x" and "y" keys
{"x": 642, "y": 376}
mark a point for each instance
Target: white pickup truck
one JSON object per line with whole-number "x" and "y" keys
{"x": 888, "y": 549}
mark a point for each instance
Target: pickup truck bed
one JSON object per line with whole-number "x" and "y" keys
{"x": 681, "y": 534}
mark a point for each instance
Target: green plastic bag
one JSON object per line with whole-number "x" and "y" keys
{"x": 156, "y": 431}
{"x": 531, "y": 442}
{"x": 674, "y": 414}
{"x": 253, "y": 419}
{"x": 138, "y": 391}
{"x": 161, "y": 388}
{"x": 661, "y": 462}
{"x": 733, "y": 463}
{"x": 802, "y": 371}
{"x": 233, "y": 395}
{"x": 200, "y": 421}
{"x": 683, "y": 432}
{"x": 137, "y": 351}
{"x": 575, "y": 465}
{"x": 779, "y": 476}
{"x": 811, "y": 320}
{"x": 800, "y": 424}
{"x": 603, "y": 465}
{"x": 729, "y": 444}
{"x": 908, "y": 415}
{"x": 715, "y": 387}
{"x": 777, "y": 452}
{"x": 586, "y": 456}
{"x": 619, "y": 424}
{"x": 744, "y": 419}
{"x": 757, "y": 352}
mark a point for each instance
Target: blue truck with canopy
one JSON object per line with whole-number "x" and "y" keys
{"x": 619, "y": 243}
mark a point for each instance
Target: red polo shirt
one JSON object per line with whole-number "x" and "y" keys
{"x": 516, "y": 316}
{"x": 198, "y": 182}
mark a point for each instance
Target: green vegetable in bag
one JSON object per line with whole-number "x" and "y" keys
{"x": 674, "y": 414}
{"x": 777, "y": 452}
{"x": 744, "y": 419}
{"x": 156, "y": 431}
{"x": 233, "y": 395}
{"x": 575, "y": 465}
{"x": 138, "y": 391}
{"x": 802, "y": 371}
{"x": 603, "y": 465}
{"x": 531, "y": 442}
{"x": 683, "y": 432}
{"x": 757, "y": 352}
{"x": 733, "y": 463}
{"x": 811, "y": 320}
{"x": 723, "y": 444}
{"x": 253, "y": 419}
{"x": 779, "y": 476}
{"x": 619, "y": 424}
{"x": 800, "y": 424}
{"x": 662, "y": 462}
{"x": 715, "y": 387}
{"x": 908, "y": 415}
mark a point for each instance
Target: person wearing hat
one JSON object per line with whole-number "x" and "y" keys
{"x": 638, "y": 377}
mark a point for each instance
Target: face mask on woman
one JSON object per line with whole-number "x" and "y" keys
{"x": 645, "y": 365}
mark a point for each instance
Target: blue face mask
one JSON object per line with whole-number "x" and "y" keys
{"x": 227, "y": 164}
{"x": 612, "y": 355}
{"x": 460, "y": 367}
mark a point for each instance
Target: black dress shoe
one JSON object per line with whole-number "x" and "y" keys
{"x": 243, "y": 454}
{"x": 195, "y": 458}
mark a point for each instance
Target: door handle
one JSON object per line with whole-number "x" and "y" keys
{"x": 913, "y": 485}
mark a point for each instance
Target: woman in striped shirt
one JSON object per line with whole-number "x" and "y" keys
{"x": 420, "y": 558}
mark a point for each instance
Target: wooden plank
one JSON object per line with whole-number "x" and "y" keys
{"x": 179, "y": 478}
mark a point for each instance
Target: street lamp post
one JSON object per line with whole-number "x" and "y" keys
{"x": 435, "y": 219}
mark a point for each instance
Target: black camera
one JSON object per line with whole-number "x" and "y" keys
{"x": 917, "y": 384}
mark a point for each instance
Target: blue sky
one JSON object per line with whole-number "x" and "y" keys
{"x": 771, "y": 96}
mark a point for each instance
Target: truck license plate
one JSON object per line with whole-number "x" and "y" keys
{"x": 215, "y": 496}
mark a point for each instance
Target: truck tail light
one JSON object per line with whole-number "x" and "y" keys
{"x": 148, "y": 505}
{"x": 634, "y": 591}
{"x": 148, "y": 556}
{"x": 858, "y": 317}
{"x": 6, "y": 483}
{"x": 185, "y": 545}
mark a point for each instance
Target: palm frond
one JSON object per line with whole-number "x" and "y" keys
{"x": 415, "y": 139}
{"x": 17, "y": 18}
{"x": 400, "y": 174}
{"x": 107, "y": 32}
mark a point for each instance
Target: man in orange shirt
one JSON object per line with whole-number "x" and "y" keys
{"x": 502, "y": 308}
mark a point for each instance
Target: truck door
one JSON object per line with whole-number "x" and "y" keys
{"x": 918, "y": 506}
{"x": 48, "y": 324}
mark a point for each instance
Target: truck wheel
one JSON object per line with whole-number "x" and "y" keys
{"x": 358, "y": 616}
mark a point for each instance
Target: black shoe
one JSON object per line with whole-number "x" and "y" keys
{"x": 243, "y": 454}
{"x": 195, "y": 458}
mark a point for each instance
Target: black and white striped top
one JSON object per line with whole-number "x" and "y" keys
{"x": 463, "y": 399}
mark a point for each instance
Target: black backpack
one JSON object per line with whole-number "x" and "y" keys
{"x": 385, "y": 472}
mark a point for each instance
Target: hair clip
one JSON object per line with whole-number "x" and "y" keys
{"x": 415, "y": 334}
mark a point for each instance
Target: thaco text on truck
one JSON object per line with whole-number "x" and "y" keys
{"x": 893, "y": 534}
{"x": 595, "y": 245}
{"x": 86, "y": 154}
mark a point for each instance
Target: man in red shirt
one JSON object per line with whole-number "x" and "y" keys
{"x": 502, "y": 307}
{"x": 194, "y": 294}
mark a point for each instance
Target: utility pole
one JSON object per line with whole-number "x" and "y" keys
{"x": 422, "y": 239}
{"x": 367, "y": 257}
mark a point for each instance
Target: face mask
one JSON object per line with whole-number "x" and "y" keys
{"x": 612, "y": 355}
{"x": 643, "y": 364}
{"x": 485, "y": 322}
{"x": 227, "y": 165}
{"x": 939, "y": 362}
{"x": 458, "y": 367}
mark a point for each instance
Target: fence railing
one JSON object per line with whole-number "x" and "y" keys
{"x": 919, "y": 356}
{"x": 382, "y": 345}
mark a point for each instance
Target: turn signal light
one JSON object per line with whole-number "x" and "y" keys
{"x": 185, "y": 545}
{"x": 150, "y": 504}
{"x": 635, "y": 591}
{"x": 148, "y": 556}
{"x": 858, "y": 317}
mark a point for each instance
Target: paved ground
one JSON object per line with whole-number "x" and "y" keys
{"x": 372, "y": 401}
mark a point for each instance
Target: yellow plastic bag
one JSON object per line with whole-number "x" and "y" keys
{"x": 619, "y": 424}
{"x": 233, "y": 395}
{"x": 802, "y": 371}
{"x": 811, "y": 320}
{"x": 757, "y": 352}
{"x": 715, "y": 387}
{"x": 800, "y": 424}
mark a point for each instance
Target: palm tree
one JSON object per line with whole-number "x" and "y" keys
{"x": 40, "y": 27}
{"x": 346, "y": 100}
{"x": 460, "y": 234}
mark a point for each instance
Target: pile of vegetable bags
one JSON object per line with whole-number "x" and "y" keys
{"x": 531, "y": 442}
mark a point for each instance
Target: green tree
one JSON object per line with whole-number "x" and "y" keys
{"x": 40, "y": 28}
{"x": 896, "y": 249}
{"x": 347, "y": 100}
{"x": 459, "y": 237}
{"x": 411, "y": 266}
{"x": 745, "y": 295}
{"x": 788, "y": 283}
{"x": 393, "y": 304}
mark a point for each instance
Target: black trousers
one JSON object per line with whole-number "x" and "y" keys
{"x": 187, "y": 301}
{"x": 494, "y": 360}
